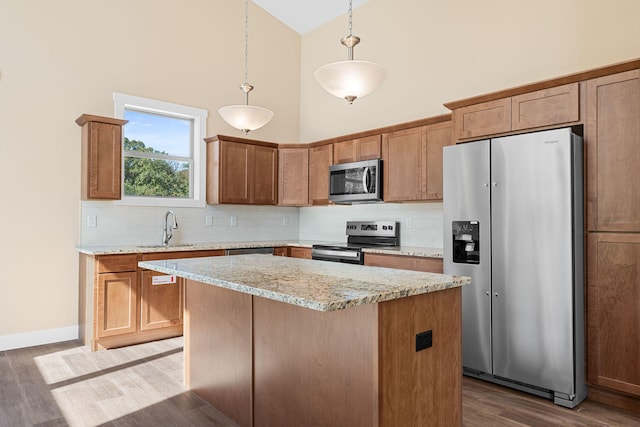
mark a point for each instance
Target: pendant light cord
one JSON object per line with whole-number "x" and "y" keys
{"x": 350, "y": 18}
{"x": 246, "y": 40}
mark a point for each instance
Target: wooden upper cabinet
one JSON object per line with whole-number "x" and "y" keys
{"x": 613, "y": 311}
{"x": 264, "y": 175}
{"x": 435, "y": 137}
{"x": 235, "y": 172}
{"x": 412, "y": 167}
{"x": 241, "y": 173}
{"x": 367, "y": 148}
{"x": 320, "y": 158}
{"x": 613, "y": 152}
{"x": 101, "y": 157}
{"x": 403, "y": 165}
{"x": 548, "y": 107}
{"x": 293, "y": 176}
{"x": 483, "y": 119}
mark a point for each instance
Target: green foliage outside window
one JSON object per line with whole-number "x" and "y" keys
{"x": 154, "y": 176}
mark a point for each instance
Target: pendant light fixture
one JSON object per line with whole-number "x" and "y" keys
{"x": 246, "y": 117}
{"x": 350, "y": 79}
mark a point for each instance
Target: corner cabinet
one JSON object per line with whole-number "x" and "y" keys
{"x": 293, "y": 176}
{"x": 241, "y": 171}
{"x": 101, "y": 157}
{"x": 413, "y": 162}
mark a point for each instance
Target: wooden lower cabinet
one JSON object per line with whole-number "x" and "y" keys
{"x": 613, "y": 311}
{"x": 293, "y": 252}
{"x": 429, "y": 265}
{"x": 160, "y": 300}
{"x": 116, "y": 303}
{"x": 120, "y": 304}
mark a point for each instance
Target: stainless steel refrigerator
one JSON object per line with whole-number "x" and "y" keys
{"x": 513, "y": 221}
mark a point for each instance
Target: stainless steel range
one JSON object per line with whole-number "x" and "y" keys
{"x": 360, "y": 234}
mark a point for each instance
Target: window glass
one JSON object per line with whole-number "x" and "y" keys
{"x": 163, "y": 152}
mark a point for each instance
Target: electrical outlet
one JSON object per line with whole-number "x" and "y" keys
{"x": 92, "y": 221}
{"x": 423, "y": 340}
{"x": 208, "y": 221}
{"x": 285, "y": 221}
{"x": 409, "y": 222}
{"x": 234, "y": 221}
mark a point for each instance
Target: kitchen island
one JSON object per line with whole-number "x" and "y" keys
{"x": 281, "y": 341}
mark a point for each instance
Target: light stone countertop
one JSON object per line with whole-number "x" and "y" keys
{"x": 317, "y": 285}
{"x": 131, "y": 249}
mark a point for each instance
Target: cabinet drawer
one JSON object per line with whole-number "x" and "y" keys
{"x": 300, "y": 253}
{"x": 546, "y": 107}
{"x": 429, "y": 265}
{"x": 181, "y": 254}
{"x": 116, "y": 263}
{"x": 483, "y": 119}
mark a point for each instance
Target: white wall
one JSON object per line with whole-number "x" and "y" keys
{"x": 437, "y": 51}
{"x": 60, "y": 59}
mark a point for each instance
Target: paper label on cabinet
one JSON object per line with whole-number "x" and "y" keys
{"x": 163, "y": 280}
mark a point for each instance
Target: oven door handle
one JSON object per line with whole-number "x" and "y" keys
{"x": 366, "y": 175}
{"x": 334, "y": 253}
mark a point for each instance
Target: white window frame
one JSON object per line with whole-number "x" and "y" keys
{"x": 199, "y": 117}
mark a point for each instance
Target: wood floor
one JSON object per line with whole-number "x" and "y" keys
{"x": 64, "y": 384}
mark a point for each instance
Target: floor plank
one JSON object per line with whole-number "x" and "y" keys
{"x": 64, "y": 384}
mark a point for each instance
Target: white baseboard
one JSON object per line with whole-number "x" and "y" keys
{"x": 30, "y": 339}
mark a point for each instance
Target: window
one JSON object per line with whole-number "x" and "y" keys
{"x": 163, "y": 152}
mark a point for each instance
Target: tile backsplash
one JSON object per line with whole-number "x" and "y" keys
{"x": 420, "y": 223}
{"x": 106, "y": 223}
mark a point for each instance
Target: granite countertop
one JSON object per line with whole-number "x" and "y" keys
{"x": 317, "y": 285}
{"x": 132, "y": 249}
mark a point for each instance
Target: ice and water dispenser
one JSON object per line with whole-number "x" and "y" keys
{"x": 466, "y": 242}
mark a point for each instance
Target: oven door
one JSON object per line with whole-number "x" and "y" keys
{"x": 337, "y": 254}
{"x": 356, "y": 182}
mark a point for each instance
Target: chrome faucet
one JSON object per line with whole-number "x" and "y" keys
{"x": 168, "y": 229}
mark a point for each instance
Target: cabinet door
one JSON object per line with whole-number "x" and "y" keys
{"x": 293, "y": 176}
{"x": 103, "y": 161}
{"x": 344, "y": 152}
{"x": 613, "y": 152}
{"x": 320, "y": 158}
{"x": 435, "y": 137}
{"x": 613, "y": 298}
{"x": 234, "y": 172}
{"x": 116, "y": 304}
{"x": 484, "y": 119}
{"x": 403, "y": 156}
{"x": 264, "y": 175}
{"x": 557, "y": 105}
{"x": 160, "y": 300}
{"x": 368, "y": 148}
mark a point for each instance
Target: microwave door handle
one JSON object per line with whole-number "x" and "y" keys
{"x": 365, "y": 180}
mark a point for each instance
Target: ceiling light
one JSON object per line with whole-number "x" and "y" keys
{"x": 246, "y": 117}
{"x": 350, "y": 79}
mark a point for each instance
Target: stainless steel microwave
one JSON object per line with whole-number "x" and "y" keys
{"x": 356, "y": 182}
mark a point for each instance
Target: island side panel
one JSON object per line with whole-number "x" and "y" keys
{"x": 218, "y": 349}
{"x": 421, "y": 388}
{"x": 314, "y": 368}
